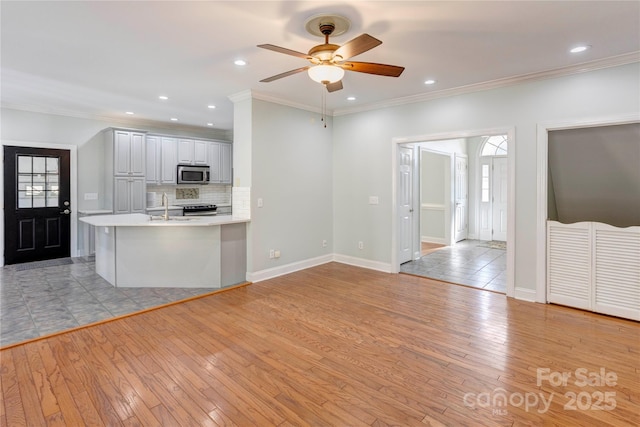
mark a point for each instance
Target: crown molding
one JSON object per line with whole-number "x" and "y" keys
{"x": 584, "y": 67}
{"x": 270, "y": 98}
{"x": 115, "y": 121}
{"x": 241, "y": 96}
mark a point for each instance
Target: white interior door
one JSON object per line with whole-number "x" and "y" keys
{"x": 461, "y": 198}
{"x": 405, "y": 203}
{"x": 499, "y": 198}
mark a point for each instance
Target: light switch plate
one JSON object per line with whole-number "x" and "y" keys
{"x": 91, "y": 196}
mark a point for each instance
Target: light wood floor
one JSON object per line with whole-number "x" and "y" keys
{"x": 331, "y": 346}
{"x": 426, "y": 248}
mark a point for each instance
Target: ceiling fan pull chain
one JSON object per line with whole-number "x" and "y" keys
{"x": 324, "y": 105}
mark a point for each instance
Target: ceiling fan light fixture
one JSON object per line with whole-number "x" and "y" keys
{"x": 326, "y": 73}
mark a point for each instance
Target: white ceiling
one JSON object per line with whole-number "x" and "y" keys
{"x": 101, "y": 59}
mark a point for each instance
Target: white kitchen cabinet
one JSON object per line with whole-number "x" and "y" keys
{"x": 153, "y": 159}
{"x": 220, "y": 162}
{"x": 192, "y": 152}
{"x": 226, "y": 164}
{"x": 125, "y": 161}
{"x": 129, "y": 153}
{"x": 168, "y": 160}
{"x": 129, "y": 195}
{"x": 161, "y": 160}
{"x": 214, "y": 162}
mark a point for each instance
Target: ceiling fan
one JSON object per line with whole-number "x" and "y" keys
{"x": 330, "y": 61}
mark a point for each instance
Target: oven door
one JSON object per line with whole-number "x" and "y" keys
{"x": 200, "y": 213}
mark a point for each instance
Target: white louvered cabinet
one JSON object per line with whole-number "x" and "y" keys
{"x": 594, "y": 266}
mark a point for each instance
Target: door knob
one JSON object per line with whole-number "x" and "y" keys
{"x": 66, "y": 212}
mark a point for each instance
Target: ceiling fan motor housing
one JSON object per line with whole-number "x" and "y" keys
{"x": 327, "y": 28}
{"x": 323, "y": 52}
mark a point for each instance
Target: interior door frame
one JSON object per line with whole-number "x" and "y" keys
{"x": 73, "y": 151}
{"x": 511, "y": 163}
{"x": 542, "y": 172}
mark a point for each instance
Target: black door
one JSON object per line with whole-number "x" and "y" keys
{"x": 37, "y": 204}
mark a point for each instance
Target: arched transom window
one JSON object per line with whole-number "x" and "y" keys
{"x": 495, "y": 146}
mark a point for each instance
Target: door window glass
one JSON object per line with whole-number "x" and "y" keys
{"x": 38, "y": 182}
{"x": 495, "y": 146}
{"x": 485, "y": 183}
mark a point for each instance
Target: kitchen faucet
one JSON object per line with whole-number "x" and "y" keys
{"x": 165, "y": 203}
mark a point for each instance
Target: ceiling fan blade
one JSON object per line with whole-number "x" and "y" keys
{"x": 373, "y": 68}
{"x": 356, "y": 46}
{"x": 284, "y": 50}
{"x": 285, "y": 74}
{"x": 332, "y": 87}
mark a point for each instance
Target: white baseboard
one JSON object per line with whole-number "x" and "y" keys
{"x": 270, "y": 273}
{"x": 361, "y": 262}
{"x": 524, "y": 294}
{"x": 428, "y": 239}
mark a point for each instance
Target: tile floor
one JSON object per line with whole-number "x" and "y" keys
{"x": 41, "y": 301}
{"x": 467, "y": 262}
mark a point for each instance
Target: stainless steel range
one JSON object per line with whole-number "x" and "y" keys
{"x": 199, "y": 210}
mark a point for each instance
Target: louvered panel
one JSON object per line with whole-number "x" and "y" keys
{"x": 617, "y": 271}
{"x": 569, "y": 264}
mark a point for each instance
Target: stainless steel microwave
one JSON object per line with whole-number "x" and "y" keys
{"x": 190, "y": 174}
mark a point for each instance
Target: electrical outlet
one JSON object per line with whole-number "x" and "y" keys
{"x": 324, "y": 243}
{"x": 360, "y": 245}
{"x": 272, "y": 253}
{"x": 277, "y": 253}
{"x": 260, "y": 202}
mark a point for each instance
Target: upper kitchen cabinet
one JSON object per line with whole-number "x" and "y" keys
{"x": 226, "y": 164}
{"x": 128, "y": 152}
{"x": 220, "y": 162}
{"x": 192, "y": 152}
{"x": 161, "y": 159}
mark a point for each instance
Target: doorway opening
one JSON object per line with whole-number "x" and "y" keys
{"x": 461, "y": 205}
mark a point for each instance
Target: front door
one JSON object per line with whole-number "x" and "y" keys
{"x": 405, "y": 203}
{"x": 37, "y": 211}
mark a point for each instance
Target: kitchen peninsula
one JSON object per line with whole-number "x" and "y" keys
{"x": 137, "y": 250}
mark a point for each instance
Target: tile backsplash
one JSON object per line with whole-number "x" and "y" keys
{"x": 184, "y": 194}
{"x": 242, "y": 202}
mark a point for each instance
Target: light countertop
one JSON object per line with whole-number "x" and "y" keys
{"x": 142, "y": 220}
{"x": 95, "y": 211}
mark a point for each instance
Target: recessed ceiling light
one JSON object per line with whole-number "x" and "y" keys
{"x": 579, "y": 49}
{"x": 240, "y": 62}
{"x": 351, "y": 98}
{"x": 129, "y": 112}
{"x": 173, "y": 119}
{"x": 211, "y": 106}
{"x": 429, "y": 82}
{"x": 209, "y": 124}
{"x": 163, "y": 97}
